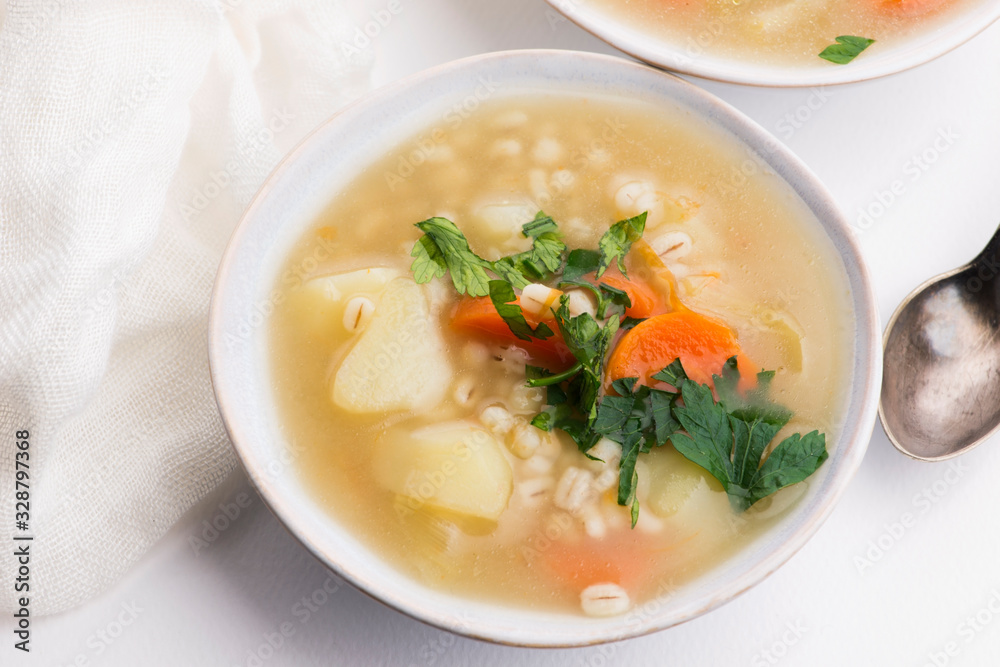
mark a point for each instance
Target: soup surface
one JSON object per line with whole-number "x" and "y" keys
{"x": 781, "y": 31}
{"x": 416, "y": 432}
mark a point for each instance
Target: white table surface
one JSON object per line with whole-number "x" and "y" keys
{"x": 866, "y": 590}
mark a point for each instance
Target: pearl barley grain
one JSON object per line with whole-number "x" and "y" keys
{"x": 534, "y": 490}
{"x": 506, "y": 148}
{"x": 626, "y": 197}
{"x": 604, "y": 600}
{"x": 547, "y": 151}
{"x": 497, "y": 419}
{"x": 358, "y": 313}
{"x": 464, "y": 392}
{"x": 539, "y": 464}
{"x": 526, "y": 440}
{"x": 671, "y": 246}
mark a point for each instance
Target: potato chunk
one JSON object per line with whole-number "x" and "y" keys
{"x": 343, "y": 286}
{"x": 456, "y": 467}
{"x": 319, "y": 304}
{"x": 498, "y": 224}
{"x": 675, "y": 483}
{"x": 399, "y": 361}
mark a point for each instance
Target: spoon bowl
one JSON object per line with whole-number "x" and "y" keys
{"x": 941, "y": 378}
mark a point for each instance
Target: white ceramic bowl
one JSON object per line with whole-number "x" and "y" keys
{"x": 328, "y": 160}
{"x": 692, "y": 57}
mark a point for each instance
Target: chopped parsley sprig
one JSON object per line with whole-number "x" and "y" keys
{"x": 503, "y": 297}
{"x": 846, "y": 49}
{"x": 727, "y": 433}
{"x": 443, "y": 249}
{"x": 729, "y": 437}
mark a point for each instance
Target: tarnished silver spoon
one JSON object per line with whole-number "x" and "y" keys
{"x": 941, "y": 380}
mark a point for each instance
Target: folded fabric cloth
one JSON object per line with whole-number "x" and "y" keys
{"x": 132, "y": 136}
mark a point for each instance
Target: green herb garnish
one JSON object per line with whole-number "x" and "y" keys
{"x": 847, "y": 48}
{"x": 581, "y": 263}
{"x": 727, "y": 436}
{"x": 618, "y": 240}
{"x": 502, "y": 295}
{"x": 638, "y": 419}
{"x": 444, "y": 249}
{"x": 541, "y": 262}
{"x": 630, "y": 322}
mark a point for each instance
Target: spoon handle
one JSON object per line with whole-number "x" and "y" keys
{"x": 991, "y": 252}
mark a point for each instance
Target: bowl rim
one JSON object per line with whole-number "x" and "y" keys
{"x": 862, "y": 398}
{"x": 647, "y": 47}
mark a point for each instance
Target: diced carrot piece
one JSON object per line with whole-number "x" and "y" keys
{"x": 477, "y": 315}
{"x": 910, "y": 7}
{"x": 702, "y": 344}
{"x": 645, "y": 301}
{"x": 655, "y": 274}
{"x": 621, "y": 560}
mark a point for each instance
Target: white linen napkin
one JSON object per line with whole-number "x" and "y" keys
{"x": 132, "y": 136}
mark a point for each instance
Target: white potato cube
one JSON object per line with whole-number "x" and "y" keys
{"x": 456, "y": 467}
{"x": 399, "y": 361}
{"x": 320, "y": 304}
{"x": 498, "y": 222}
{"x": 343, "y": 286}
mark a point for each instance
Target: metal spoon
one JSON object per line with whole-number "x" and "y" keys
{"x": 941, "y": 380}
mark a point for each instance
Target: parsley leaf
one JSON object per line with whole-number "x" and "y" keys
{"x": 573, "y": 395}
{"x": 444, "y": 247}
{"x": 673, "y": 374}
{"x": 579, "y": 263}
{"x": 590, "y": 343}
{"x": 612, "y": 299}
{"x": 543, "y": 421}
{"x": 730, "y": 437}
{"x": 727, "y": 437}
{"x": 662, "y": 404}
{"x": 755, "y": 404}
{"x": 503, "y": 297}
{"x": 638, "y": 418}
{"x": 539, "y": 263}
{"x": 613, "y": 413}
{"x": 618, "y": 240}
{"x": 535, "y": 265}
{"x": 709, "y": 438}
{"x": 542, "y": 224}
{"x": 795, "y": 458}
{"x": 509, "y": 273}
{"x": 630, "y": 322}
{"x": 428, "y": 260}
{"x": 847, "y": 48}
{"x": 628, "y": 478}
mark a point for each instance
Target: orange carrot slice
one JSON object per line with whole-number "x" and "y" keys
{"x": 651, "y": 271}
{"x": 477, "y": 315}
{"x": 621, "y": 560}
{"x": 910, "y": 7}
{"x": 645, "y": 301}
{"x": 702, "y": 344}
